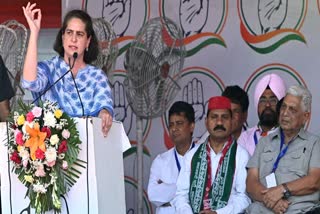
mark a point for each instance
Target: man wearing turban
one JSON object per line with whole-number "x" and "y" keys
{"x": 269, "y": 90}
{"x": 212, "y": 180}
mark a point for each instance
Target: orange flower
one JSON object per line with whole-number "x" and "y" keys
{"x": 36, "y": 140}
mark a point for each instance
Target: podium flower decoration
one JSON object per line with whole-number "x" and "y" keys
{"x": 43, "y": 146}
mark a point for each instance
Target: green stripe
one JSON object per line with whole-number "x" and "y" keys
{"x": 124, "y": 49}
{"x": 301, "y": 15}
{"x": 133, "y": 150}
{"x": 273, "y": 47}
{"x": 244, "y": 19}
{"x": 222, "y": 17}
{"x": 205, "y": 43}
{"x": 248, "y": 26}
{"x": 146, "y": 11}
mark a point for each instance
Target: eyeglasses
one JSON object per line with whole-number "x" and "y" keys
{"x": 271, "y": 101}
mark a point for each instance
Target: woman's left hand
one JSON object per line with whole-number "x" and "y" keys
{"x": 106, "y": 120}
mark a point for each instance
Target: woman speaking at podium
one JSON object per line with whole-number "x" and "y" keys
{"x": 79, "y": 88}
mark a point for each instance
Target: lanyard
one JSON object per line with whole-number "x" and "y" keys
{"x": 282, "y": 151}
{"x": 176, "y": 157}
{"x": 255, "y": 138}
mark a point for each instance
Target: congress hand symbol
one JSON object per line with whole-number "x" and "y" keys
{"x": 193, "y": 15}
{"x": 272, "y": 14}
{"x": 118, "y": 13}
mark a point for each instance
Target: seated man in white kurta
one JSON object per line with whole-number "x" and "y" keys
{"x": 166, "y": 166}
{"x": 213, "y": 177}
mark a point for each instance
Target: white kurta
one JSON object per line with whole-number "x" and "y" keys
{"x": 238, "y": 200}
{"x": 246, "y": 139}
{"x": 164, "y": 168}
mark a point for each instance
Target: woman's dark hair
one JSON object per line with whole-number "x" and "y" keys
{"x": 93, "y": 49}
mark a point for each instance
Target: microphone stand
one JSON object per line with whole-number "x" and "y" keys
{"x": 75, "y": 84}
{"x": 75, "y": 55}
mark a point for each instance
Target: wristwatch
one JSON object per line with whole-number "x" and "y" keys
{"x": 286, "y": 191}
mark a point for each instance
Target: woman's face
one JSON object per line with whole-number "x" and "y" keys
{"x": 75, "y": 39}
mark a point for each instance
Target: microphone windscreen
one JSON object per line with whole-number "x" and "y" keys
{"x": 75, "y": 55}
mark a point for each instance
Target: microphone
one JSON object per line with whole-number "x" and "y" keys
{"x": 75, "y": 84}
{"x": 74, "y": 56}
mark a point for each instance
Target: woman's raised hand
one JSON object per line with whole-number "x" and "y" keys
{"x": 33, "y": 16}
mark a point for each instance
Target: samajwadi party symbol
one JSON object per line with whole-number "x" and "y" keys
{"x": 266, "y": 25}
{"x": 287, "y": 73}
{"x": 124, "y": 113}
{"x": 197, "y": 84}
{"x": 126, "y": 17}
{"x": 201, "y": 21}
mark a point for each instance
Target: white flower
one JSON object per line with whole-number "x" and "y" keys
{"x": 24, "y": 154}
{"x": 58, "y": 126}
{"x": 49, "y": 119}
{"x": 15, "y": 117}
{"x": 61, "y": 156}
{"x": 27, "y": 124}
{"x": 54, "y": 139}
{"x": 64, "y": 165}
{"x": 51, "y": 154}
{"x": 65, "y": 134}
{"x": 39, "y": 188}
{"x": 36, "y": 111}
{"x": 63, "y": 122}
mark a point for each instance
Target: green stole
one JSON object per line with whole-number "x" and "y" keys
{"x": 222, "y": 185}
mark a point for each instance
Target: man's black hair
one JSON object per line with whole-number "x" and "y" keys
{"x": 180, "y": 107}
{"x": 238, "y": 96}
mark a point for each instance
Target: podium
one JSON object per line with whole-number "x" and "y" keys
{"x": 100, "y": 188}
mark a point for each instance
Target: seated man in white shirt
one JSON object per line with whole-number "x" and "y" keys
{"x": 212, "y": 180}
{"x": 166, "y": 166}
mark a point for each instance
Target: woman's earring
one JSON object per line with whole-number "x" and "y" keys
{"x": 87, "y": 49}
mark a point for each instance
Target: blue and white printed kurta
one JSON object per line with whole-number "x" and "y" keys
{"x": 92, "y": 84}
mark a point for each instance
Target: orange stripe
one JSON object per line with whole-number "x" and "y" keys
{"x": 252, "y": 39}
{"x": 123, "y": 38}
